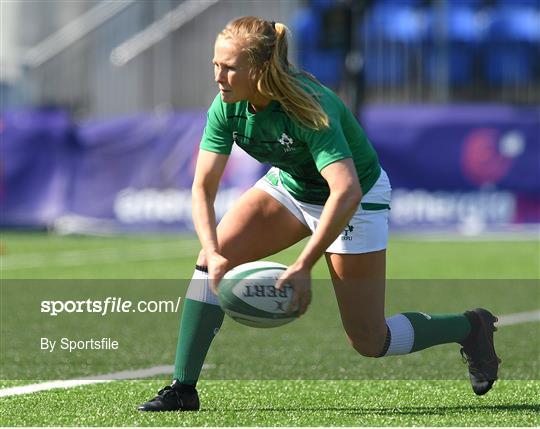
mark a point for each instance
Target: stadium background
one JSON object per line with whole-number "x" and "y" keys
{"x": 103, "y": 105}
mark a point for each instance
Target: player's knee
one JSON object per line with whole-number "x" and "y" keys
{"x": 364, "y": 348}
{"x": 368, "y": 344}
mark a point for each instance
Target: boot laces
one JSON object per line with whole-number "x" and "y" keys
{"x": 167, "y": 391}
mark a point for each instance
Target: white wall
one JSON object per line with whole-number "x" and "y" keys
{"x": 176, "y": 72}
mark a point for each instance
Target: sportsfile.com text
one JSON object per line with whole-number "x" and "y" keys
{"x": 109, "y": 305}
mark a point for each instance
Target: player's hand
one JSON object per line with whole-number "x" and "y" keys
{"x": 300, "y": 280}
{"x": 217, "y": 267}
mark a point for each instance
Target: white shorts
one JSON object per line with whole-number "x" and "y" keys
{"x": 367, "y": 230}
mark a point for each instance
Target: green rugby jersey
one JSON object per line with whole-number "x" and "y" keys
{"x": 272, "y": 137}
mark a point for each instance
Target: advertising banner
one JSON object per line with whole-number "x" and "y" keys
{"x": 464, "y": 168}
{"x": 36, "y": 149}
{"x": 121, "y": 174}
{"x": 467, "y": 167}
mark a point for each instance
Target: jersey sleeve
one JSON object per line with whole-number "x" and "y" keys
{"x": 217, "y": 136}
{"x": 328, "y": 145}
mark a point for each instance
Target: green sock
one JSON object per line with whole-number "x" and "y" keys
{"x": 410, "y": 332}
{"x": 430, "y": 330}
{"x": 200, "y": 323}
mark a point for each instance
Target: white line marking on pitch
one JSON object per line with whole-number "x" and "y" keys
{"x": 505, "y": 320}
{"x": 136, "y": 374}
{"x": 103, "y": 378}
{"x": 517, "y": 318}
{"x": 107, "y": 255}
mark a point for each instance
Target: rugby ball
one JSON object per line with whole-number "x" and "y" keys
{"x": 247, "y": 294}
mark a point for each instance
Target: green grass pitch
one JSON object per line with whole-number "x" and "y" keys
{"x": 304, "y": 373}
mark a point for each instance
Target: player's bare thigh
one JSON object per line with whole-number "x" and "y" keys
{"x": 256, "y": 227}
{"x": 359, "y": 285}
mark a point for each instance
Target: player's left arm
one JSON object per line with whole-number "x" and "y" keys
{"x": 345, "y": 196}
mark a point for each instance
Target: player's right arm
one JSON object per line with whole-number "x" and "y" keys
{"x": 208, "y": 174}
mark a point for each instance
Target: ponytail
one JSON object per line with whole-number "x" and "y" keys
{"x": 275, "y": 78}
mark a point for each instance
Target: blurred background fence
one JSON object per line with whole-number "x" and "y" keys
{"x": 103, "y": 106}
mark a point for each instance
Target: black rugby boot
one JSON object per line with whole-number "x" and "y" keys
{"x": 479, "y": 352}
{"x": 176, "y": 397}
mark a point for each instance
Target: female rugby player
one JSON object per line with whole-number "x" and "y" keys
{"x": 326, "y": 182}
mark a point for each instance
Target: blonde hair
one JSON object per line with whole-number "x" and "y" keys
{"x": 266, "y": 47}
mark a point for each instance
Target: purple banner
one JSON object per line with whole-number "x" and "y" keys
{"x": 470, "y": 166}
{"x": 459, "y": 167}
{"x": 36, "y": 148}
{"x": 123, "y": 174}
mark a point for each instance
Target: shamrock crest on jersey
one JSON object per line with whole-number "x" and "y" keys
{"x": 286, "y": 142}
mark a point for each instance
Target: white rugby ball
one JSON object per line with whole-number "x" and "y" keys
{"x": 248, "y": 295}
